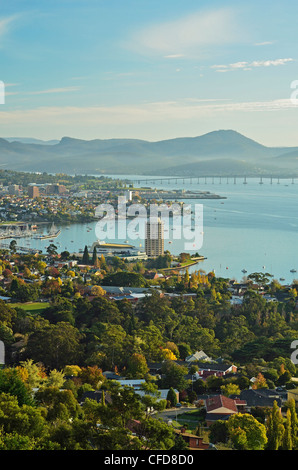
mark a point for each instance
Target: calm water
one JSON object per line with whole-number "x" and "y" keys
{"x": 254, "y": 228}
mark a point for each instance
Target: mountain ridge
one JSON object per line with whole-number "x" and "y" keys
{"x": 220, "y": 152}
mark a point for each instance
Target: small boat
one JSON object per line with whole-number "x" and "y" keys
{"x": 244, "y": 271}
{"x": 293, "y": 271}
{"x": 282, "y": 279}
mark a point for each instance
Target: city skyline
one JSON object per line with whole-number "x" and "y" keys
{"x": 147, "y": 70}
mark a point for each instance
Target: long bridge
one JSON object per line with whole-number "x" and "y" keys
{"x": 210, "y": 179}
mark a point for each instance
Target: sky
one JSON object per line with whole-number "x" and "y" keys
{"x": 102, "y": 69}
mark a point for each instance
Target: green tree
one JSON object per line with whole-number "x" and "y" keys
{"x": 156, "y": 435}
{"x": 218, "y": 431}
{"x": 55, "y": 345}
{"x": 287, "y": 443}
{"x": 13, "y": 246}
{"x": 172, "y": 397}
{"x": 294, "y": 421}
{"x": 60, "y": 404}
{"x": 25, "y": 420}
{"x": 137, "y": 366}
{"x": 125, "y": 405}
{"x": 173, "y": 375}
{"x": 86, "y": 258}
{"x": 275, "y": 428}
{"x": 125, "y": 279}
{"x": 52, "y": 250}
{"x": 12, "y": 384}
{"x": 246, "y": 433}
{"x": 230, "y": 389}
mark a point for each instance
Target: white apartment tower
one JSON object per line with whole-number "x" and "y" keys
{"x": 154, "y": 241}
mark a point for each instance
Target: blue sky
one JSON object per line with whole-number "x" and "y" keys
{"x": 149, "y": 69}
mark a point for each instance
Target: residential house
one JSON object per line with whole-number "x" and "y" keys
{"x": 198, "y": 356}
{"x": 97, "y": 395}
{"x": 222, "y": 407}
{"x": 134, "y": 383}
{"x": 214, "y": 368}
{"x": 205, "y": 369}
{"x": 261, "y": 397}
{"x": 194, "y": 442}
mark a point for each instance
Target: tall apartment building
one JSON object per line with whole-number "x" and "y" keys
{"x": 33, "y": 191}
{"x": 154, "y": 241}
{"x": 13, "y": 189}
{"x": 55, "y": 188}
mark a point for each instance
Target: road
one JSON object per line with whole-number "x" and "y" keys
{"x": 173, "y": 413}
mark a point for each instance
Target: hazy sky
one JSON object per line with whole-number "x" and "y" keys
{"x": 149, "y": 69}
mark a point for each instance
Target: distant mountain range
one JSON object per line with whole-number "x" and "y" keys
{"x": 218, "y": 153}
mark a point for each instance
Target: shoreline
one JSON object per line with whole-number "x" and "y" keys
{"x": 180, "y": 268}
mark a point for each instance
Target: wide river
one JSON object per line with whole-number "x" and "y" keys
{"x": 254, "y": 228}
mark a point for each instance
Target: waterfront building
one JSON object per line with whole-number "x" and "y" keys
{"x": 121, "y": 250}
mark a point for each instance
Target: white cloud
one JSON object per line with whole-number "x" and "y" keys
{"x": 6, "y": 24}
{"x": 187, "y": 36}
{"x": 268, "y": 63}
{"x": 265, "y": 43}
{"x": 144, "y": 113}
{"x": 54, "y": 90}
{"x": 249, "y": 65}
{"x": 173, "y": 56}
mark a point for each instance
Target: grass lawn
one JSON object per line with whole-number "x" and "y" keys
{"x": 191, "y": 418}
{"x": 34, "y": 307}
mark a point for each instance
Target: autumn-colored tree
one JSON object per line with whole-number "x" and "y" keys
{"x": 97, "y": 291}
{"x": 92, "y": 375}
{"x": 32, "y": 374}
{"x": 51, "y": 287}
{"x": 168, "y": 354}
{"x": 260, "y": 382}
{"x": 172, "y": 347}
{"x": 7, "y": 273}
{"x": 72, "y": 370}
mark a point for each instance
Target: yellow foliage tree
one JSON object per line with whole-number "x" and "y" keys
{"x": 97, "y": 291}
{"x": 168, "y": 354}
